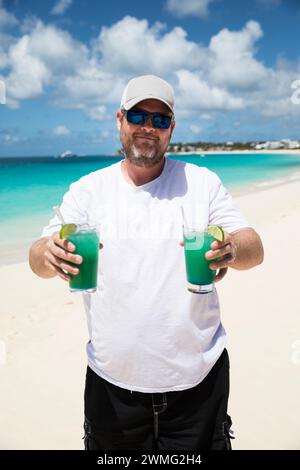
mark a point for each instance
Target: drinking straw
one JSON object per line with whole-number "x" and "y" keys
{"x": 184, "y": 222}
{"x": 59, "y": 214}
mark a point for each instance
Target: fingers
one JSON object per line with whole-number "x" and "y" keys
{"x": 222, "y": 254}
{"x": 60, "y": 263}
{"x": 221, "y": 274}
{"x": 217, "y": 244}
{"x": 63, "y": 243}
{"x": 58, "y": 271}
{"x": 62, "y": 249}
{"x": 58, "y": 257}
{"x": 219, "y": 252}
{"x": 222, "y": 262}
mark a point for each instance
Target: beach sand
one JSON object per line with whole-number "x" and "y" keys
{"x": 43, "y": 331}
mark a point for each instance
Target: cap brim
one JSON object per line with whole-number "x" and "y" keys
{"x": 137, "y": 100}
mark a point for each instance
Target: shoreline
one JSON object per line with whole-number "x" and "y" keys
{"x": 20, "y": 255}
{"x": 188, "y": 152}
{"x": 228, "y": 152}
{"x": 258, "y": 187}
{"x": 14, "y": 251}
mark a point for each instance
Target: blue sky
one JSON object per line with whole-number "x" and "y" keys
{"x": 64, "y": 64}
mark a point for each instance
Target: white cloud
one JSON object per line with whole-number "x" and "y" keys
{"x": 89, "y": 90}
{"x": 57, "y": 49}
{"x": 61, "y": 130}
{"x": 232, "y": 57}
{"x": 105, "y": 134}
{"x": 6, "y": 40}
{"x": 61, "y": 6}
{"x": 90, "y": 79}
{"x": 45, "y": 55}
{"x": 275, "y": 98}
{"x": 10, "y": 136}
{"x": 156, "y": 53}
{"x": 189, "y": 7}
{"x": 11, "y": 139}
{"x": 196, "y": 129}
{"x": 29, "y": 24}
{"x": 3, "y": 59}
{"x": 224, "y": 76}
{"x": 7, "y": 19}
{"x": 100, "y": 80}
{"x": 205, "y": 116}
{"x": 98, "y": 113}
{"x": 28, "y": 72}
{"x": 196, "y": 94}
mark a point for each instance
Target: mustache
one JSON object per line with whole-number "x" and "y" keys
{"x": 146, "y": 136}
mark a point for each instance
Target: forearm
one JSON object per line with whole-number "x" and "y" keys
{"x": 249, "y": 249}
{"x": 37, "y": 259}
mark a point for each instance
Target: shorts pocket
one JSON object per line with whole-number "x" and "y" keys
{"x": 227, "y": 432}
{"x": 89, "y": 441}
{"x": 223, "y": 435}
{"x": 95, "y": 439}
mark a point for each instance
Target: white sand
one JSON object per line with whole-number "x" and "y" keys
{"x": 43, "y": 328}
{"x": 260, "y": 311}
{"x": 41, "y": 394}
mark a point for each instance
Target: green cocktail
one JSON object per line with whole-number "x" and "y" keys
{"x": 86, "y": 241}
{"x": 199, "y": 276}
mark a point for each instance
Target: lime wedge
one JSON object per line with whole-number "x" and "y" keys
{"x": 66, "y": 230}
{"x": 217, "y": 232}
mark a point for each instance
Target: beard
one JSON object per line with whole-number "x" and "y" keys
{"x": 144, "y": 154}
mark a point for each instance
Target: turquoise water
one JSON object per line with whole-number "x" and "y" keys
{"x": 29, "y": 187}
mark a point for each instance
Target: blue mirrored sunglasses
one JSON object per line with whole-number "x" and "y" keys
{"x": 158, "y": 120}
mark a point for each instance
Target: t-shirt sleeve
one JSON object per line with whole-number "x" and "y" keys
{"x": 222, "y": 209}
{"x": 71, "y": 208}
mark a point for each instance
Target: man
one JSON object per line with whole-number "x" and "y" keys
{"x": 158, "y": 370}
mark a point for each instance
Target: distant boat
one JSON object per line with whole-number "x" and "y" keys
{"x": 68, "y": 154}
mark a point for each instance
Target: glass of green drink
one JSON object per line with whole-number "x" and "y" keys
{"x": 200, "y": 278}
{"x": 86, "y": 241}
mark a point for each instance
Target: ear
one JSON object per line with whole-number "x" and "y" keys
{"x": 118, "y": 120}
{"x": 172, "y": 127}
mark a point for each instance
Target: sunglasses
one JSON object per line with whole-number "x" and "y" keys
{"x": 139, "y": 118}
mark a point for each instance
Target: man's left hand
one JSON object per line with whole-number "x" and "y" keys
{"x": 225, "y": 252}
{"x": 222, "y": 255}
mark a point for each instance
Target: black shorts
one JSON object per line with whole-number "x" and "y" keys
{"x": 192, "y": 419}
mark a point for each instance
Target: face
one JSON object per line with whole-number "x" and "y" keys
{"x": 145, "y": 145}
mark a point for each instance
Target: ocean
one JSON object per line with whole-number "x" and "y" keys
{"x": 30, "y": 187}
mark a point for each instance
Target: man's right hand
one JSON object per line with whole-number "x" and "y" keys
{"x": 58, "y": 256}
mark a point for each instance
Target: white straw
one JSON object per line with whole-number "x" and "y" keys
{"x": 59, "y": 214}
{"x": 183, "y": 217}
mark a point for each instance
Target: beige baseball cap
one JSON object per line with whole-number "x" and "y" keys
{"x": 147, "y": 87}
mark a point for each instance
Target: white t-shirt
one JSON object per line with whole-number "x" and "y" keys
{"x": 148, "y": 333}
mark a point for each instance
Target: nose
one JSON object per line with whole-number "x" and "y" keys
{"x": 148, "y": 125}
